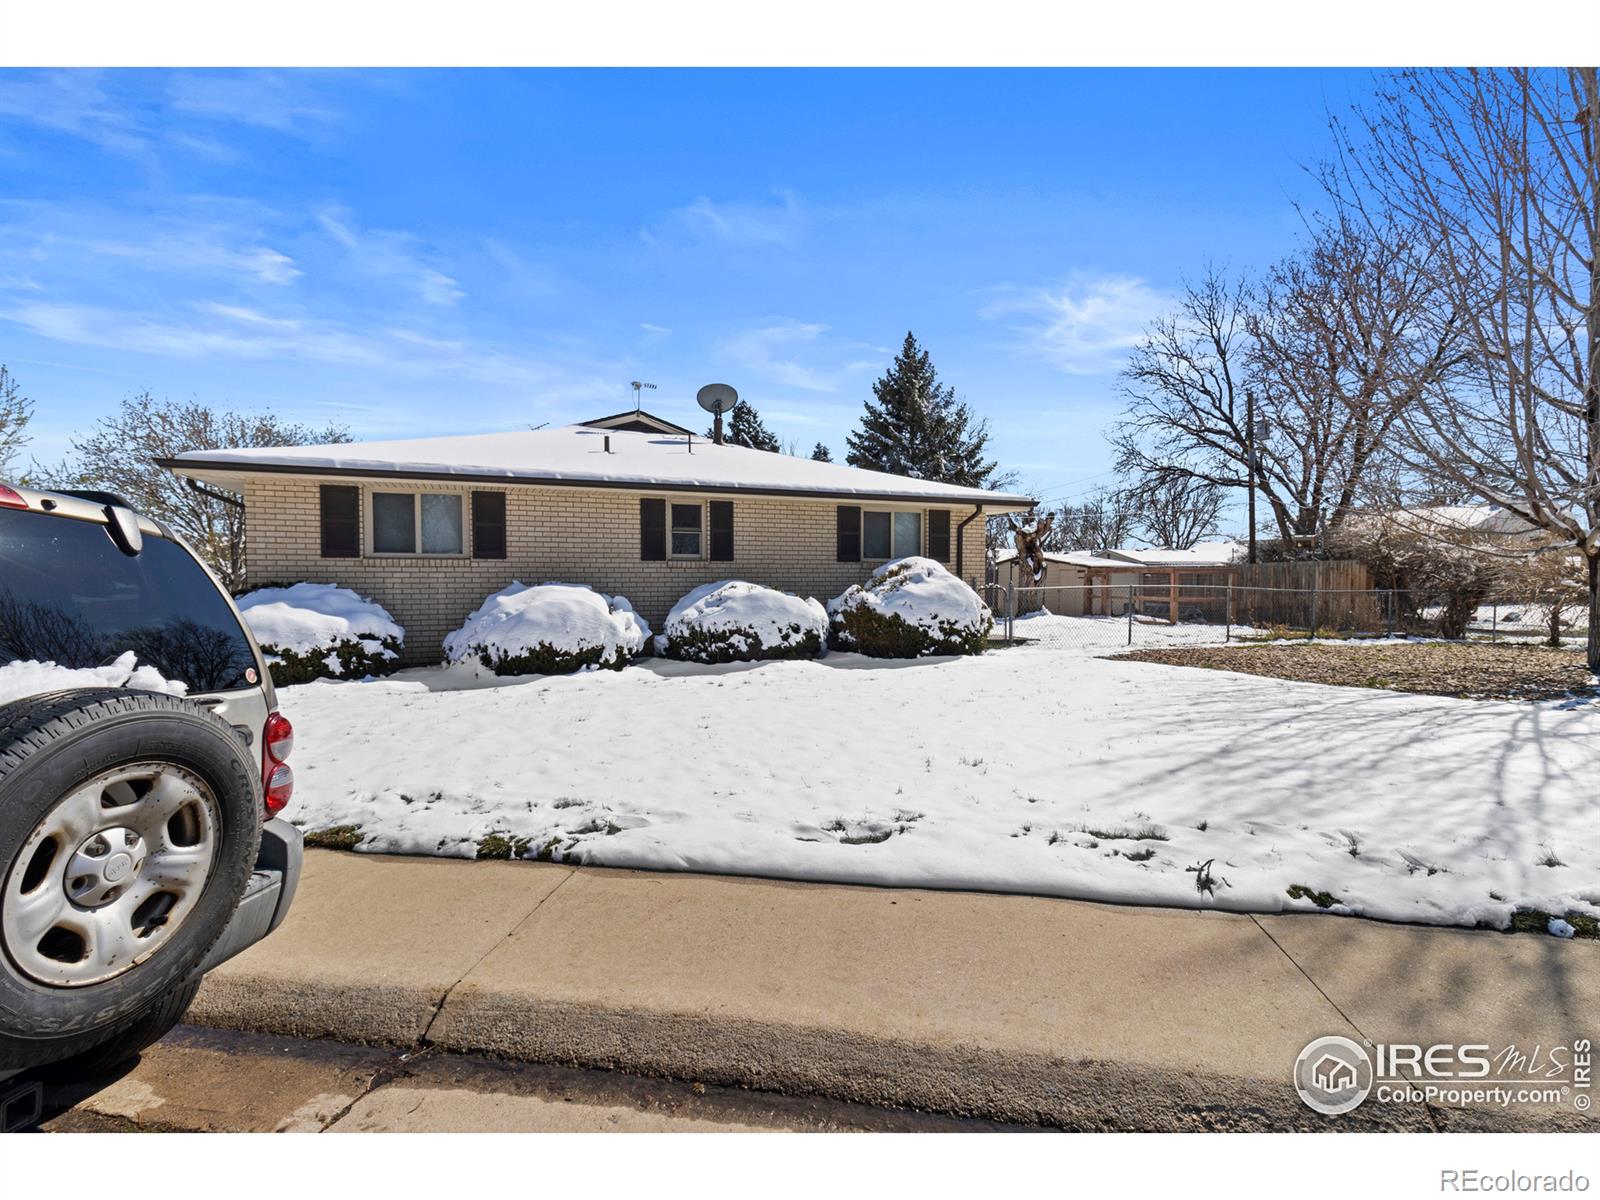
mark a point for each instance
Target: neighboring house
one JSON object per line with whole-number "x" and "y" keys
{"x": 629, "y": 504}
{"x": 1157, "y": 581}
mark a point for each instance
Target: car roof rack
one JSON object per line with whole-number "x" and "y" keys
{"x": 96, "y": 497}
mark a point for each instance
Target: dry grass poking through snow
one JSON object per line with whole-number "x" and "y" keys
{"x": 1472, "y": 670}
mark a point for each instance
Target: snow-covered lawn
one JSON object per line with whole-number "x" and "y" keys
{"x": 1028, "y": 769}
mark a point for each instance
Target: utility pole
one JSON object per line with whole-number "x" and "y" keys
{"x": 1250, "y": 455}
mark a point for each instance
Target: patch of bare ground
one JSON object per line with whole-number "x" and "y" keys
{"x": 1470, "y": 670}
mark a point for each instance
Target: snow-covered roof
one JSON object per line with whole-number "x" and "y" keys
{"x": 1462, "y": 518}
{"x": 578, "y": 455}
{"x": 1202, "y": 554}
{"x": 1073, "y": 558}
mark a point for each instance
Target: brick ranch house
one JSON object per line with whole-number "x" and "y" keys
{"x": 629, "y": 504}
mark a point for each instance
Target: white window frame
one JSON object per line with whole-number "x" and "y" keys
{"x": 703, "y": 533}
{"x": 922, "y": 532}
{"x": 369, "y": 521}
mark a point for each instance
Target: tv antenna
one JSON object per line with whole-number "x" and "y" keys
{"x": 716, "y": 399}
{"x": 637, "y": 386}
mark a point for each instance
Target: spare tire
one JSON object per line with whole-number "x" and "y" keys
{"x": 129, "y": 825}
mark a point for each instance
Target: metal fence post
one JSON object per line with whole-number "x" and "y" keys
{"x": 1011, "y": 612}
{"x": 1228, "y": 618}
{"x": 1312, "y": 632}
{"x": 1388, "y": 612}
{"x": 1129, "y": 607}
{"x": 1494, "y": 621}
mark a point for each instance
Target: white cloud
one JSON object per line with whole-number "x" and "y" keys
{"x": 284, "y": 101}
{"x": 219, "y": 330}
{"x": 73, "y": 103}
{"x": 740, "y": 224}
{"x": 391, "y": 256}
{"x": 774, "y": 352}
{"x": 1087, "y": 324}
{"x": 51, "y": 241}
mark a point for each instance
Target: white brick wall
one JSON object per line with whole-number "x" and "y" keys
{"x": 567, "y": 534}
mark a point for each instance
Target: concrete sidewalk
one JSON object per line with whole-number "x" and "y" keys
{"x": 1010, "y": 1008}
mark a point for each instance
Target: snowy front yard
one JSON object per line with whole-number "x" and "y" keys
{"x": 1028, "y": 770}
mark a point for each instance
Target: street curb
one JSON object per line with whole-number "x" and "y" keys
{"x": 965, "y": 1081}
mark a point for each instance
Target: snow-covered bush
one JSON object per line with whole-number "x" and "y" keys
{"x": 910, "y": 608}
{"x": 321, "y": 631}
{"x": 551, "y": 629}
{"x": 27, "y": 677}
{"x": 734, "y": 621}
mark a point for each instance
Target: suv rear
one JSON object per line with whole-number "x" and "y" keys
{"x": 139, "y": 843}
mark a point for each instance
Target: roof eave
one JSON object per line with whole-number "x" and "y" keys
{"x": 191, "y": 468}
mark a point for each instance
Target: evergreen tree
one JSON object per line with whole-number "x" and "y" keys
{"x": 744, "y": 428}
{"x": 821, "y": 453}
{"x": 915, "y": 426}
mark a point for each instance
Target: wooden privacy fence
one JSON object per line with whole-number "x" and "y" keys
{"x": 1308, "y": 595}
{"x": 1335, "y": 594}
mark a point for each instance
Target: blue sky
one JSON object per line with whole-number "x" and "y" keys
{"x": 414, "y": 253}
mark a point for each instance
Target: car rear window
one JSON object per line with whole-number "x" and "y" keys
{"x": 68, "y": 595}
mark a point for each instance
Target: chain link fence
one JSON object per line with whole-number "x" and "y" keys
{"x": 1108, "y": 617}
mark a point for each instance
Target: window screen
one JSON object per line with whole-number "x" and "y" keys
{"x": 394, "y": 523}
{"x": 441, "y": 524}
{"x": 907, "y": 534}
{"x": 875, "y": 535}
{"x": 686, "y": 531}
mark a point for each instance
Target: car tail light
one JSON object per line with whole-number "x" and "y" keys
{"x": 277, "y": 739}
{"x": 280, "y": 786}
{"x": 11, "y": 499}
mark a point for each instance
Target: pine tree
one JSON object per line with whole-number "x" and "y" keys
{"x": 745, "y": 429}
{"x": 821, "y": 453}
{"x": 915, "y": 426}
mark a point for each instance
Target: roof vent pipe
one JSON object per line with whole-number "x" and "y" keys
{"x": 608, "y": 443}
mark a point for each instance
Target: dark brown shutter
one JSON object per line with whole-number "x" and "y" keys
{"x": 848, "y": 526}
{"x": 722, "y": 531}
{"x": 341, "y": 521}
{"x": 939, "y": 534}
{"x": 488, "y": 524}
{"x": 653, "y": 530}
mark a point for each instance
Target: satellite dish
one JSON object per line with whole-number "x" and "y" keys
{"x": 716, "y": 398}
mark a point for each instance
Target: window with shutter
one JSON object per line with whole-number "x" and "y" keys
{"x": 653, "y": 530}
{"x": 488, "y": 524}
{"x": 848, "y": 533}
{"x": 939, "y": 534}
{"x": 721, "y": 530}
{"x": 341, "y": 524}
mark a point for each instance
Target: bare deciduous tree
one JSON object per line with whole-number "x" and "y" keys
{"x": 1103, "y": 520}
{"x": 1176, "y": 512}
{"x": 15, "y": 411}
{"x": 1497, "y": 171}
{"x": 1332, "y": 343}
{"x": 1343, "y": 338}
{"x": 119, "y": 456}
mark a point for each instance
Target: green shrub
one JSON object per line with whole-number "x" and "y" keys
{"x": 701, "y": 645}
{"x": 888, "y": 635}
{"x": 545, "y": 659}
{"x": 289, "y": 667}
